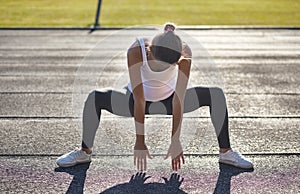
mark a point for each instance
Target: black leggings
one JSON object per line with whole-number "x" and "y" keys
{"x": 122, "y": 104}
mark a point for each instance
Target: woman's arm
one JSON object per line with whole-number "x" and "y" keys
{"x": 184, "y": 66}
{"x": 134, "y": 60}
{"x": 175, "y": 150}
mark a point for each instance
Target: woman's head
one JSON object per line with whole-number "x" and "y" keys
{"x": 167, "y": 46}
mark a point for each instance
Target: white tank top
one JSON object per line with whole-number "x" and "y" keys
{"x": 157, "y": 85}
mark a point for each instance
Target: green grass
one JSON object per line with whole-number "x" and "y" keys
{"x": 116, "y": 13}
{"x": 47, "y": 13}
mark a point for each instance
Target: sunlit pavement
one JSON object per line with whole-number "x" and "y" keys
{"x": 40, "y": 73}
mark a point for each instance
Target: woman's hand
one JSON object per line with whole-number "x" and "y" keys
{"x": 140, "y": 156}
{"x": 176, "y": 153}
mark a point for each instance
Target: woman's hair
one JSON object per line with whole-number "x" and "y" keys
{"x": 167, "y": 46}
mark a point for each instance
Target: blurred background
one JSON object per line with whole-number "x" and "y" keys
{"x": 122, "y": 13}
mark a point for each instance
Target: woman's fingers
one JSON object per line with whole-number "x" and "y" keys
{"x": 176, "y": 162}
{"x": 148, "y": 155}
{"x": 182, "y": 157}
{"x": 140, "y": 160}
{"x": 167, "y": 156}
{"x": 142, "y": 164}
{"x": 173, "y": 165}
{"x": 138, "y": 164}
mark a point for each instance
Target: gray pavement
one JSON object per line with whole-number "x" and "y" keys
{"x": 39, "y": 70}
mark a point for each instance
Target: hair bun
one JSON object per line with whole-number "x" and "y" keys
{"x": 169, "y": 27}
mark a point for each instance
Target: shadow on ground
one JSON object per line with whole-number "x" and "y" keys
{"x": 224, "y": 179}
{"x": 137, "y": 182}
{"x": 79, "y": 176}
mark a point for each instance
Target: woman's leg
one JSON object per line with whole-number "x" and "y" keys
{"x": 196, "y": 98}
{"x": 122, "y": 104}
{"x": 215, "y": 99}
{"x": 113, "y": 101}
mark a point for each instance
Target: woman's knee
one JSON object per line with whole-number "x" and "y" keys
{"x": 217, "y": 91}
{"x": 217, "y": 94}
{"x": 91, "y": 97}
{"x": 95, "y": 97}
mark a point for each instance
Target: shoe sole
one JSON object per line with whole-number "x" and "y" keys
{"x": 235, "y": 165}
{"x": 73, "y": 164}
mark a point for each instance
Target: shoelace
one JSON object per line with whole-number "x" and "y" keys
{"x": 237, "y": 155}
{"x": 75, "y": 153}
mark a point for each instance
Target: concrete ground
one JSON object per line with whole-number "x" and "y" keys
{"x": 46, "y": 75}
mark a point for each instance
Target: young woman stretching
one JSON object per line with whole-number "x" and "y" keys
{"x": 159, "y": 72}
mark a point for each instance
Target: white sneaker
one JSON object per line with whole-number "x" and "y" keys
{"x": 234, "y": 158}
{"x": 77, "y": 156}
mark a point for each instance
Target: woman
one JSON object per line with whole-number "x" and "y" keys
{"x": 159, "y": 72}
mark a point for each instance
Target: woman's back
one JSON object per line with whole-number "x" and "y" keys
{"x": 159, "y": 80}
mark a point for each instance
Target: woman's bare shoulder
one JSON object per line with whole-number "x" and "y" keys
{"x": 186, "y": 51}
{"x": 137, "y": 44}
{"x": 134, "y": 54}
{"x": 135, "y": 48}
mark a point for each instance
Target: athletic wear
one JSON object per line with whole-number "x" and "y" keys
{"x": 234, "y": 158}
{"x": 157, "y": 85}
{"x": 122, "y": 104}
{"x": 73, "y": 158}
